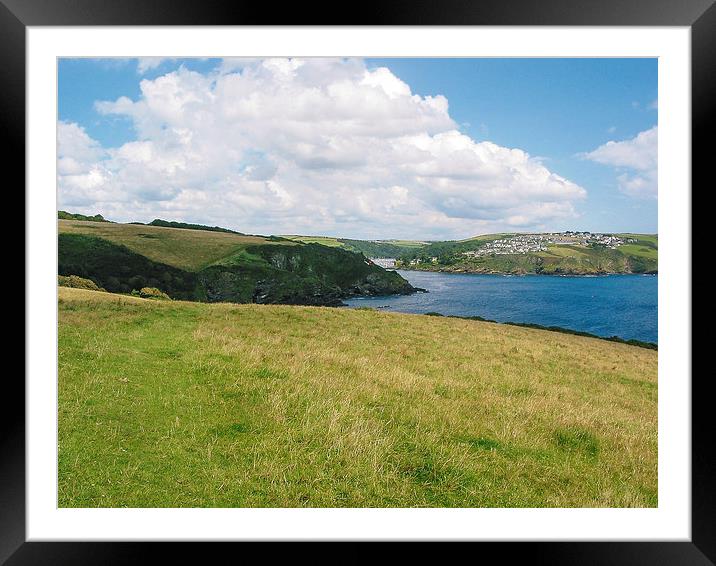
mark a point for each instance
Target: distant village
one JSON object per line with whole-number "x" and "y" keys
{"x": 527, "y": 243}
{"x": 531, "y": 243}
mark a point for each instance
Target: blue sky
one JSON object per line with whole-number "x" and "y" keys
{"x": 562, "y": 112}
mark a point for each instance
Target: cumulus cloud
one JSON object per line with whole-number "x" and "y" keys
{"x": 636, "y": 161}
{"x": 313, "y": 146}
{"x": 79, "y": 165}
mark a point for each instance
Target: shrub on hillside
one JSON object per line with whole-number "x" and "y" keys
{"x": 152, "y": 293}
{"x": 77, "y": 282}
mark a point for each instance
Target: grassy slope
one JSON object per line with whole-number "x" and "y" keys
{"x": 183, "y": 248}
{"x": 647, "y": 246}
{"x": 370, "y": 248}
{"x": 186, "y": 404}
{"x": 323, "y": 240}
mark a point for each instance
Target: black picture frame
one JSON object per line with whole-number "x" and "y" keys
{"x": 16, "y": 15}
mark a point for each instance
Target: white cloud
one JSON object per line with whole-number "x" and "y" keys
{"x": 311, "y": 146}
{"x": 145, "y": 64}
{"x": 74, "y": 143}
{"x": 635, "y": 159}
{"x": 639, "y": 152}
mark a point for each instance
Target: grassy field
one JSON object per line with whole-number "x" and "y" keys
{"x": 183, "y": 248}
{"x": 646, "y": 246}
{"x": 165, "y": 404}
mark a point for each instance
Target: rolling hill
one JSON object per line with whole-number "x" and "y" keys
{"x": 210, "y": 265}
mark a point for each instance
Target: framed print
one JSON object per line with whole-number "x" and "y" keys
{"x": 293, "y": 278}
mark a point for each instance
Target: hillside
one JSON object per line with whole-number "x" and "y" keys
{"x": 178, "y": 404}
{"x": 369, "y": 248}
{"x": 570, "y": 253}
{"x": 209, "y": 265}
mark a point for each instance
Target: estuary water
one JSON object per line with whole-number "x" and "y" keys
{"x": 610, "y": 305}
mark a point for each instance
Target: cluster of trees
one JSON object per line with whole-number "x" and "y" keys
{"x": 444, "y": 257}
{"x": 187, "y": 226}
{"x": 63, "y": 215}
{"x": 447, "y": 253}
{"x": 375, "y": 249}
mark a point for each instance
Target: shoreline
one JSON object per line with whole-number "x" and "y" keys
{"x": 646, "y": 342}
{"x": 505, "y": 274}
{"x": 560, "y": 329}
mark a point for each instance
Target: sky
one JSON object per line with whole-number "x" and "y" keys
{"x": 362, "y": 148}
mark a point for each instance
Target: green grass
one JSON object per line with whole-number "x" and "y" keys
{"x": 176, "y": 404}
{"x": 185, "y": 249}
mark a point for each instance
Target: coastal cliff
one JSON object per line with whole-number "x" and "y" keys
{"x": 211, "y": 266}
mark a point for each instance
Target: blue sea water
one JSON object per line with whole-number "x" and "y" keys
{"x": 611, "y": 305}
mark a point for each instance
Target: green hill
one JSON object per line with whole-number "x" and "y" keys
{"x": 369, "y": 248}
{"x": 177, "y": 404}
{"x": 210, "y": 265}
{"x": 573, "y": 254}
